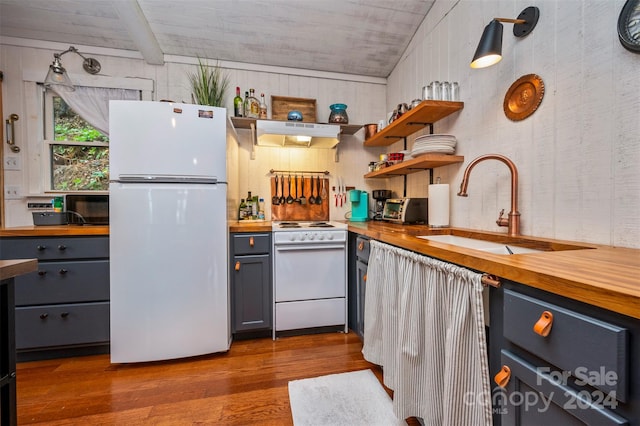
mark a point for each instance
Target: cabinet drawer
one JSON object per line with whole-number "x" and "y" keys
{"x": 64, "y": 282}
{"x": 58, "y": 325}
{"x": 362, "y": 249}
{"x": 535, "y": 398}
{"x": 590, "y": 349}
{"x": 251, "y": 243}
{"x": 55, "y": 248}
{"x": 310, "y": 313}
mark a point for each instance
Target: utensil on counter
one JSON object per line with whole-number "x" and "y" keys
{"x": 282, "y": 199}
{"x": 303, "y": 200}
{"x": 276, "y": 200}
{"x": 312, "y": 198}
{"x": 290, "y": 199}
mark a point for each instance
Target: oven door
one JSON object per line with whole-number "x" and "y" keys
{"x": 309, "y": 271}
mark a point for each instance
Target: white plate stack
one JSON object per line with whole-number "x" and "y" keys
{"x": 439, "y": 144}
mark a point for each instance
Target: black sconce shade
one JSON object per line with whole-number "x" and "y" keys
{"x": 489, "y": 49}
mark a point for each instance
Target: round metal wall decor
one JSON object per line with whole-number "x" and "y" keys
{"x": 523, "y": 97}
{"x": 629, "y": 26}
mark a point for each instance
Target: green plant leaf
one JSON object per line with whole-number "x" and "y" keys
{"x": 208, "y": 84}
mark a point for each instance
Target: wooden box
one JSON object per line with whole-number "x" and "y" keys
{"x": 281, "y": 105}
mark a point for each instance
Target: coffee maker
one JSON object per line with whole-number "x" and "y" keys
{"x": 380, "y": 195}
{"x": 359, "y": 205}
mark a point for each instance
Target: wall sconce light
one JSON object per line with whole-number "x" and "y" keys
{"x": 57, "y": 75}
{"x": 489, "y": 49}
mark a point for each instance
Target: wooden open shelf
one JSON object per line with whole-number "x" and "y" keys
{"x": 427, "y": 112}
{"x": 423, "y": 162}
{"x": 245, "y": 123}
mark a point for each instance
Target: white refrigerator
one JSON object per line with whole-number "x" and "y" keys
{"x": 168, "y": 231}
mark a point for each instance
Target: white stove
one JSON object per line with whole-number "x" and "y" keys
{"x": 299, "y": 226}
{"x": 309, "y": 275}
{"x": 308, "y": 232}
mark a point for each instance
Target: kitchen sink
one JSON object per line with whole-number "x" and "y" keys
{"x": 498, "y": 244}
{"x": 478, "y": 244}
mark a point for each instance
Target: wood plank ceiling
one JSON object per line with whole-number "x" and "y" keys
{"x": 362, "y": 37}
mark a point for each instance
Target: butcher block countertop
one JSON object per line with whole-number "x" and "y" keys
{"x": 54, "y": 231}
{"x": 602, "y": 276}
{"x": 250, "y": 226}
{"x": 13, "y": 268}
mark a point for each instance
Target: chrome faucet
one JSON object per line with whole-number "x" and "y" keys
{"x": 513, "y": 220}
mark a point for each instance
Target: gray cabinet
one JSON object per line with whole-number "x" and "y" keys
{"x": 561, "y": 361}
{"x": 62, "y": 308}
{"x": 251, "y": 283}
{"x": 358, "y": 265}
{"x": 8, "y": 412}
{"x": 362, "y": 263}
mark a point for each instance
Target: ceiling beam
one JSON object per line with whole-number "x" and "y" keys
{"x": 139, "y": 30}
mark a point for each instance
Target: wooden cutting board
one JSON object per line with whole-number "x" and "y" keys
{"x": 297, "y": 211}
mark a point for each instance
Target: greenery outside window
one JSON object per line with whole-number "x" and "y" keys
{"x": 78, "y": 153}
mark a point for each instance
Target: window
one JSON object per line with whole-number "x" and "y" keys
{"x": 75, "y": 135}
{"x": 78, "y": 153}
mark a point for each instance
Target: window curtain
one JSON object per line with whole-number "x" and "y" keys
{"x": 92, "y": 103}
{"x": 424, "y": 324}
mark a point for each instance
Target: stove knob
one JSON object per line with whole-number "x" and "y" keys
{"x": 303, "y": 237}
{"x": 330, "y": 237}
{"x": 312, "y": 236}
{"x": 292, "y": 236}
{"x": 321, "y": 236}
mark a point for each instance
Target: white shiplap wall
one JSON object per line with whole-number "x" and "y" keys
{"x": 577, "y": 155}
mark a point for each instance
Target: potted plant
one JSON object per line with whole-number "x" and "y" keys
{"x": 208, "y": 85}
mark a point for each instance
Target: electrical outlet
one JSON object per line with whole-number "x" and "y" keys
{"x": 12, "y": 163}
{"x": 12, "y": 192}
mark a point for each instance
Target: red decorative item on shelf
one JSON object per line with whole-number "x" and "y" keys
{"x": 395, "y": 157}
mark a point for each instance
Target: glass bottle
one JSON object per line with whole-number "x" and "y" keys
{"x": 261, "y": 212}
{"x": 238, "y": 107}
{"x": 338, "y": 114}
{"x": 263, "y": 107}
{"x": 254, "y": 105}
{"x": 245, "y": 105}
{"x": 242, "y": 210}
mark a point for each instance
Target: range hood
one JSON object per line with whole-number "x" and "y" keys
{"x": 296, "y": 134}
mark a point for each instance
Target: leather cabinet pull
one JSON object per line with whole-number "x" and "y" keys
{"x": 237, "y": 265}
{"x": 251, "y": 241}
{"x": 543, "y": 325}
{"x": 361, "y": 246}
{"x": 364, "y": 278}
{"x": 503, "y": 376}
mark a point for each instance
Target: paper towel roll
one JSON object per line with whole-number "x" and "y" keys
{"x": 439, "y": 205}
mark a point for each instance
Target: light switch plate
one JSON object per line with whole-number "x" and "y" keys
{"x": 12, "y": 192}
{"x": 12, "y": 163}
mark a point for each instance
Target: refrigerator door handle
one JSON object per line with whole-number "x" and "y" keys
{"x": 166, "y": 179}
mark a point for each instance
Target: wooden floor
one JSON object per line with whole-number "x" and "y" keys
{"x": 247, "y": 385}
